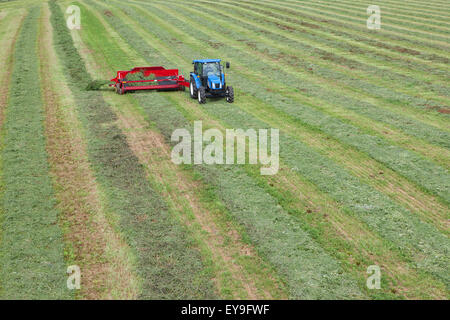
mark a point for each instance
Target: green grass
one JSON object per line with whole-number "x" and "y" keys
{"x": 31, "y": 261}
{"x": 364, "y": 147}
{"x": 382, "y": 221}
{"x": 269, "y": 227}
{"x": 168, "y": 266}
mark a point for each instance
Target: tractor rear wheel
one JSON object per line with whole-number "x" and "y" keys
{"x": 201, "y": 95}
{"x": 230, "y": 94}
{"x": 193, "y": 89}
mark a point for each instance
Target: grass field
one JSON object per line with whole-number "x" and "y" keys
{"x": 86, "y": 176}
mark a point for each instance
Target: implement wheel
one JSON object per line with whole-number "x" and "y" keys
{"x": 193, "y": 89}
{"x": 201, "y": 95}
{"x": 119, "y": 89}
{"x": 230, "y": 94}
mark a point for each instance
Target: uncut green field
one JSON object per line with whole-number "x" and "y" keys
{"x": 86, "y": 176}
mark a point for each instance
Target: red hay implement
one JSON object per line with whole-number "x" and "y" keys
{"x": 163, "y": 79}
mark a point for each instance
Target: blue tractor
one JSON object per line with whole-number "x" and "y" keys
{"x": 208, "y": 81}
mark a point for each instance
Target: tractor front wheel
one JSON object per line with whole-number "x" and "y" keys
{"x": 201, "y": 95}
{"x": 193, "y": 89}
{"x": 230, "y": 94}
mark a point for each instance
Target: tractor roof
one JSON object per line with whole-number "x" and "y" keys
{"x": 207, "y": 60}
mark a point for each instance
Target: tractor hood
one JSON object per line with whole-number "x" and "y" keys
{"x": 214, "y": 82}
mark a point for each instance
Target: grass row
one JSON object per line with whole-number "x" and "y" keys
{"x": 168, "y": 266}
{"x": 32, "y": 262}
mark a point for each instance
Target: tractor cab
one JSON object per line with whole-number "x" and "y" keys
{"x": 208, "y": 80}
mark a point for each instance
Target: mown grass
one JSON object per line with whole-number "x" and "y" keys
{"x": 165, "y": 115}
{"x": 167, "y": 264}
{"x": 386, "y": 206}
{"x": 32, "y": 262}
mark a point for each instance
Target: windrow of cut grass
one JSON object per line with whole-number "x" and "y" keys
{"x": 167, "y": 265}
{"x": 9, "y": 26}
{"x": 31, "y": 259}
{"x": 399, "y": 159}
{"x": 91, "y": 242}
{"x": 239, "y": 271}
{"x": 364, "y": 98}
{"x": 138, "y": 43}
{"x": 309, "y": 271}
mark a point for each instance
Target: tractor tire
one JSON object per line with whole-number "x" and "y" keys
{"x": 230, "y": 94}
{"x": 201, "y": 95}
{"x": 193, "y": 89}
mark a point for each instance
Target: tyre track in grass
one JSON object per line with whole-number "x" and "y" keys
{"x": 247, "y": 74}
{"x": 166, "y": 263}
{"x": 363, "y": 103}
{"x": 91, "y": 243}
{"x": 31, "y": 258}
{"x": 223, "y": 243}
{"x": 327, "y": 56}
{"x": 274, "y": 239}
{"x": 153, "y": 42}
